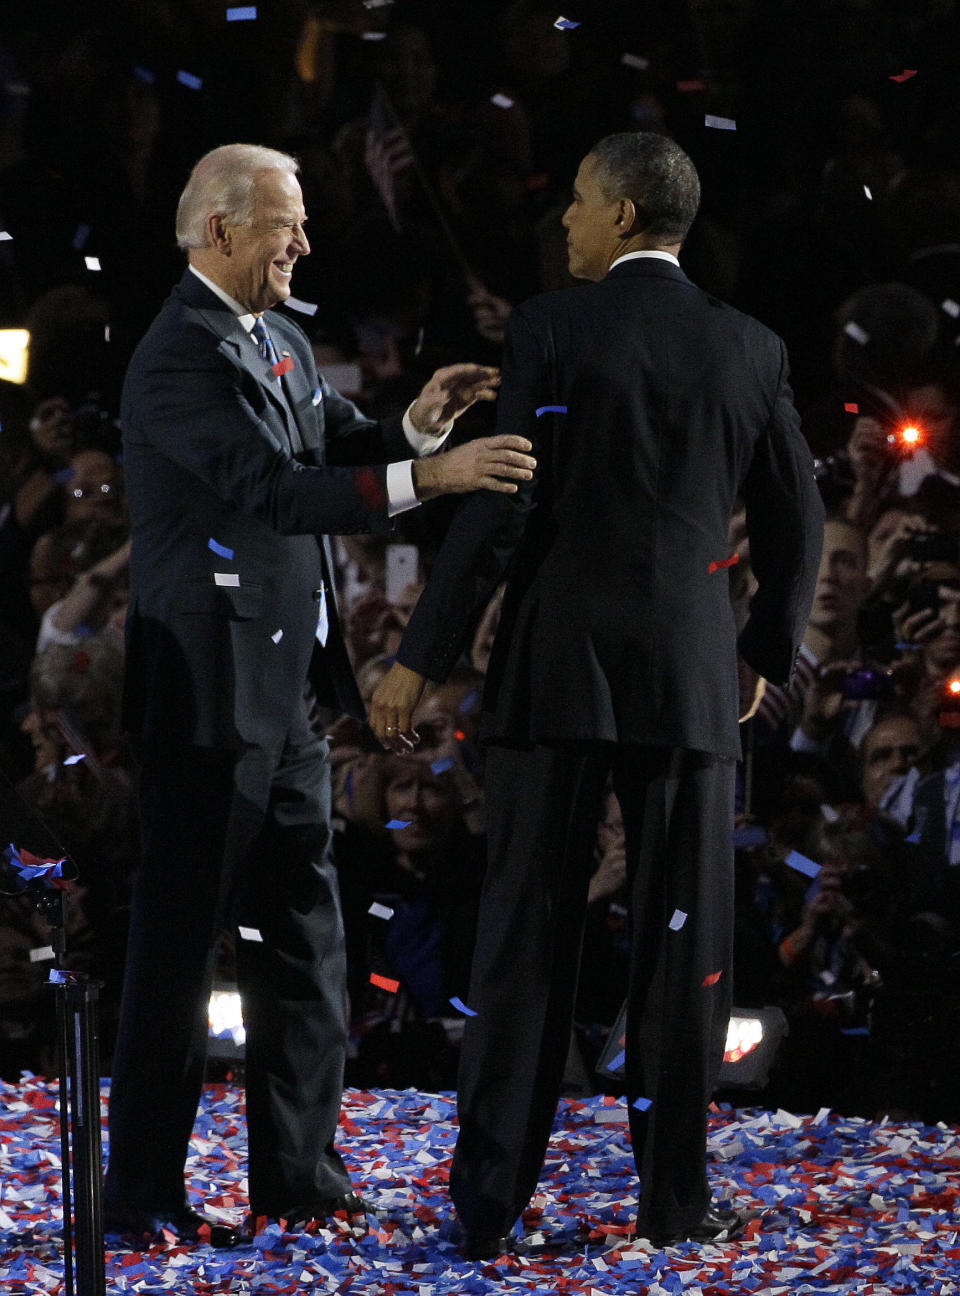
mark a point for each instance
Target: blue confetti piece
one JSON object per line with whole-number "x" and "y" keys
{"x": 219, "y": 549}
{"x": 243, "y": 13}
{"x": 189, "y": 80}
{"x": 80, "y": 237}
{"x": 462, "y": 1007}
{"x": 856, "y": 1030}
{"x": 642, "y": 1104}
{"x": 749, "y": 835}
{"x": 565, "y": 24}
{"x": 441, "y": 766}
{"x": 399, "y": 823}
{"x": 803, "y": 865}
{"x": 618, "y": 1061}
{"x": 75, "y": 760}
{"x": 914, "y": 839}
{"x": 551, "y": 409}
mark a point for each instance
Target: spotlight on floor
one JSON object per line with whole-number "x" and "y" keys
{"x": 753, "y": 1038}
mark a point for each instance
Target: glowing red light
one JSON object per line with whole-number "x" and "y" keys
{"x": 954, "y": 686}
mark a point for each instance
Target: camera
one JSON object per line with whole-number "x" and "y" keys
{"x": 934, "y": 546}
{"x": 868, "y": 682}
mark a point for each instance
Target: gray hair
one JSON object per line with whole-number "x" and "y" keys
{"x": 222, "y": 182}
{"x": 658, "y": 177}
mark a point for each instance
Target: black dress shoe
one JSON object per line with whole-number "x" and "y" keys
{"x": 477, "y": 1246}
{"x": 317, "y": 1212}
{"x": 134, "y": 1224}
{"x": 717, "y": 1225}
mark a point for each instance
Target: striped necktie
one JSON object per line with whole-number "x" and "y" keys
{"x": 264, "y": 341}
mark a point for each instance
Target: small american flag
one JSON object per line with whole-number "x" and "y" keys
{"x": 388, "y": 153}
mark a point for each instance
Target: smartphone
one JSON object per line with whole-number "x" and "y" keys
{"x": 403, "y": 562}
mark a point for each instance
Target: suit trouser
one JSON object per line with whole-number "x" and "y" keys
{"x": 544, "y": 807}
{"x": 233, "y": 838}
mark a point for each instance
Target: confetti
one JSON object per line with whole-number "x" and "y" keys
{"x": 317, "y": 396}
{"x": 692, "y": 86}
{"x": 618, "y": 1061}
{"x": 42, "y": 953}
{"x": 304, "y": 307}
{"x": 851, "y": 407}
{"x": 441, "y": 766}
{"x": 803, "y": 865}
{"x": 828, "y": 812}
{"x": 220, "y": 549}
{"x": 719, "y": 123}
{"x": 399, "y": 823}
{"x": 5, "y": 237}
{"x": 75, "y": 760}
{"x": 951, "y": 307}
{"x": 712, "y": 978}
{"x": 384, "y": 983}
{"x": 905, "y": 75}
{"x": 642, "y": 1104}
{"x": 551, "y": 409}
{"x": 230, "y": 579}
{"x": 80, "y": 237}
{"x": 749, "y": 835}
{"x": 373, "y": 36}
{"x": 501, "y": 101}
{"x": 732, "y": 561}
{"x": 866, "y": 190}
{"x": 461, "y": 1006}
{"x": 565, "y": 24}
{"x": 251, "y": 934}
{"x": 189, "y": 80}
{"x": 677, "y": 921}
{"x": 242, "y": 13}
{"x": 277, "y": 636}
{"x": 378, "y": 910}
{"x": 282, "y": 366}
{"x": 91, "y": 262}
{"x": 853, "y": 330}
{"x": 635, "y": 61}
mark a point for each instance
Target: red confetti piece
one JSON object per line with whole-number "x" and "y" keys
{"x": 727, "y": 562}
{"x": 851, "y": 408}
{"x": 385, "y": 983}
{"x": 905, "y": 75}
{"x": 713, "y": 978}
{"x": 691, "y": 87}
{"x": 282, "y": 366}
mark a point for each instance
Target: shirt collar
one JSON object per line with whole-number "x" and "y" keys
{"x": 245, "y": 318}
{"x": 647, "y": 252}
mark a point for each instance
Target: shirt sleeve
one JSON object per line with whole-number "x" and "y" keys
{"x": 423, "y": 443}
{"x": 401, "y": 495}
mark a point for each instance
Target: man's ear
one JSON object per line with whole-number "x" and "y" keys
{"x": 219, "y": 233}
{"x": 629, "y": 219}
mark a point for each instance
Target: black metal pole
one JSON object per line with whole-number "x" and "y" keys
{"x": 83, "y": 997}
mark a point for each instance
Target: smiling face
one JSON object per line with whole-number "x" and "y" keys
{"x": 257, "y": 259}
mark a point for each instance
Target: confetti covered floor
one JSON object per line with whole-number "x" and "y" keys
{"x": 840, "y": 1205}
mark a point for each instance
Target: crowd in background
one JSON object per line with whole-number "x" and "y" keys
{"x": 438, "y": 141}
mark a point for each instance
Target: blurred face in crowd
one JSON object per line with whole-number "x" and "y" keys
{"x": 259, "y": 258}
{"x": 942, "y": 654}
{"x": 94, "y": 490}
{"x": 842, "y": 582}
{"x": 51, "y": 429}
{"x": 590, "y": 222}
{"x": 426, "y": 800}
{"x": 888, "y": 751}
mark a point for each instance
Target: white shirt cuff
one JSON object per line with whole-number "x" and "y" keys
{"x": 422, "y": 443}
{"x": 400, "y": 492}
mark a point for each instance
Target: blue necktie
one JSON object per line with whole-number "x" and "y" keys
{"x": 264, "y": 342}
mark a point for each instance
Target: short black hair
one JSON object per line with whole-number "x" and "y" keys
{"x": 656, "y": 175}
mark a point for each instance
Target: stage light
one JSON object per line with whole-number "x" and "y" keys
{"x": 753, "y": 1038}
{"x": 14, "y": 354}
{"x": 226, "y": 1036}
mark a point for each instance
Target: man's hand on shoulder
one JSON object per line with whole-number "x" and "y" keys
{"x": 482, "y": 464}
{"x": 449, "y": 392}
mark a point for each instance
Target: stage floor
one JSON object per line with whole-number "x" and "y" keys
{"x": 840, "y": 1205}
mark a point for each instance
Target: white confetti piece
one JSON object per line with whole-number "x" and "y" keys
{"x": 950, "y": 306}
{"x": 277, "y": 636}
{"x": 304, "y": 307}
{"x": 250, "y": 934}
{"x": 380, "y": 911}
{"x": 501, "y": 100}
{"x": 719, "y": 123}
{"x": 42, "y": 953}
{"x": 635, "y": 61}
{"x": 853, "y": 330}
{"x": 226, "y": 578}
{"x": 91, "y": 262}
{"x": 5, "y": 237}
{"x": 678, "y": 919}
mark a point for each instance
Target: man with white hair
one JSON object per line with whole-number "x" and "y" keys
{"x": 239, "y": 459}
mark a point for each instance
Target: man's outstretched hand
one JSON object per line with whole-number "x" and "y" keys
{"x": 392, "y": 706}
{"x": 449, "y": 392}
{"x": 478, "y": 465}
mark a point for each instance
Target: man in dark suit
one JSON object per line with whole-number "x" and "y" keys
{"x": 651, "y": 407}
{"x": 236, "y": 459}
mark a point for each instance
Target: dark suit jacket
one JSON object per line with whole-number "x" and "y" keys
{"x": 220, "y": 648}
{"x": 613, "y": 625}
